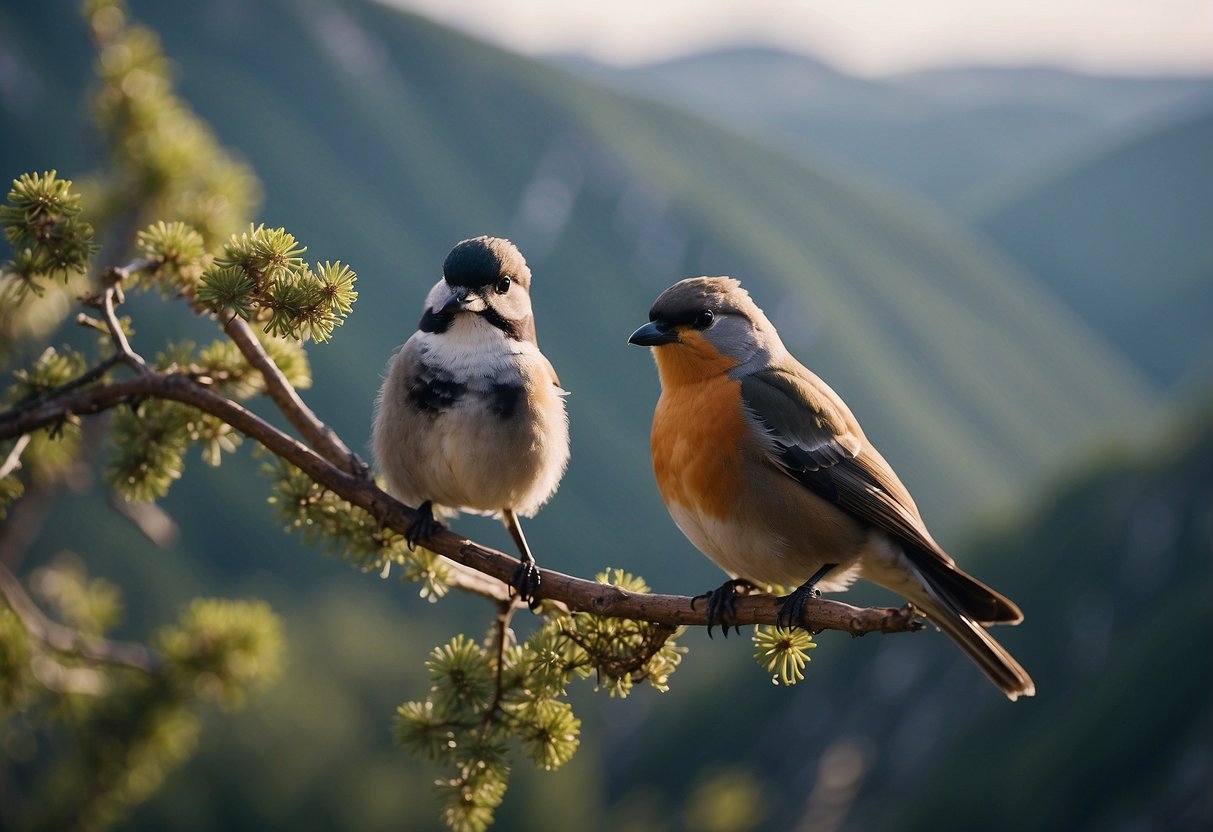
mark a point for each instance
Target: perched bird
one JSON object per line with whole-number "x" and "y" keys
{"x": 764, "y": 469}
{"x": 471, "y": 415}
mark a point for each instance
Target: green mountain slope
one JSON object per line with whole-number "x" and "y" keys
{"x": 1125, "y": 237}
{"x": 382, "y": 139}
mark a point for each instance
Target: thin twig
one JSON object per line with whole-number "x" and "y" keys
{"x": 504, "y": 613}
{"x": 115, "y": 327}
{"x": 13, "y": 461}
{"x": 574, "y": 593}
{"x": 63, "y": 639}
{"x": 94, "y": 374}
{"x": 320, "y": 436}
{"x": 25, "y": 516}
{"x": 152, "y": 521}
{"x": 111, "y": 296}
{"x": 120, "y": 274}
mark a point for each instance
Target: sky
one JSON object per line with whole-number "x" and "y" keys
{"x": 866, "y": 37}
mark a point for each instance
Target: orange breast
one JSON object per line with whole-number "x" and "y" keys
{"x": 697, "y": 433}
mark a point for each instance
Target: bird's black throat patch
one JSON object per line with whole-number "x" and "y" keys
{"x": 511, "y": 329}
{"x": 433, "y": 321}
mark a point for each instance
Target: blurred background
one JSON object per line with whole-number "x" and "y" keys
{"x": 988, "y": 227}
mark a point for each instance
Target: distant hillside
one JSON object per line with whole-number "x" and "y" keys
{"x": 1128, "y": 238}
{"x": 948, "y": 134}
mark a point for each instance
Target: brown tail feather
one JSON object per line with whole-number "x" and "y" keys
{"x": 967, "y": 595}
{"x": 935, "y": 601}
{"x": 957, "y": 604}
{"x": 999, "y": 665}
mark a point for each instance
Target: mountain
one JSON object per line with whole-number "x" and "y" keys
{"x": 947, "y": 134}
{"x": 1124, "y": 237}
{"x": 382, "y": 139}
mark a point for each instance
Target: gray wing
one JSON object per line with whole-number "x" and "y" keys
{"x": 817, "y": 442}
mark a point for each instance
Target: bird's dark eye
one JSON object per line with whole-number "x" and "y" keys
{"x": 704, "y": 319}
{"x": 503, "y": 285}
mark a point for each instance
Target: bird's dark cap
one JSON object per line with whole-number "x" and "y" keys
{"x": 481, "y": 261}
{"x": 680, "y": 303}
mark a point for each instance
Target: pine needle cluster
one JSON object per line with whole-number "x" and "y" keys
{"x": 782, "y": 652}
{"x": 52, "y": 450}
{"x": 117, "y": 729}
{"x": 487, "y": 697}
{"x": 49, "y": 239}
{"x": 179, "y": 256}
{"x": 262, "y": 277}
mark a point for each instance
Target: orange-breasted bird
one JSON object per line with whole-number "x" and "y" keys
{"x": 764, "y": 468}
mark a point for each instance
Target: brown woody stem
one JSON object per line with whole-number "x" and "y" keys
{"x": 63, "y": 639}
{"x": 319, "y": 435}
{"x": 474, "y": 562}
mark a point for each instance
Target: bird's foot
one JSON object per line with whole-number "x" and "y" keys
{"x": 526, "y": 583}
{"x": 722, "y": 604}
{"x": 792, "y": 608}
{"x": 424, "y": 526}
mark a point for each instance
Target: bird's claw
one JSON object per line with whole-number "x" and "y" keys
{"x": 722, "y": 604}
{"x": 526, "y": 583}
{"x": 791, "y": 611}
{"x": 424, "y": 526}
{"x": 792, "y": 608}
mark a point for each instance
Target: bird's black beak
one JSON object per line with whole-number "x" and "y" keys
{"x": 457, "y": 302}
{"x": 653, "y": 334}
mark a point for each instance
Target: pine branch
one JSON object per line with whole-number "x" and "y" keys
{"x": 111, "y": 295}
{"x": 152, "y": 521}
{"x": 319, "y": 435}
{"x": 479, "y": 561}
{"x": 63, "y": 639}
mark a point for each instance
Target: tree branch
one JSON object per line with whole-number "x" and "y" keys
{"x": 574, "y": 593}
{"x": 111, "y": 295}
{"x": 63, "y": 639}
{"x": 13, "y": 461}
{"x": 319, "y": 435}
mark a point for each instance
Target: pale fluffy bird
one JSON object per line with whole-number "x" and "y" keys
{"x": 471, "y": 416}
